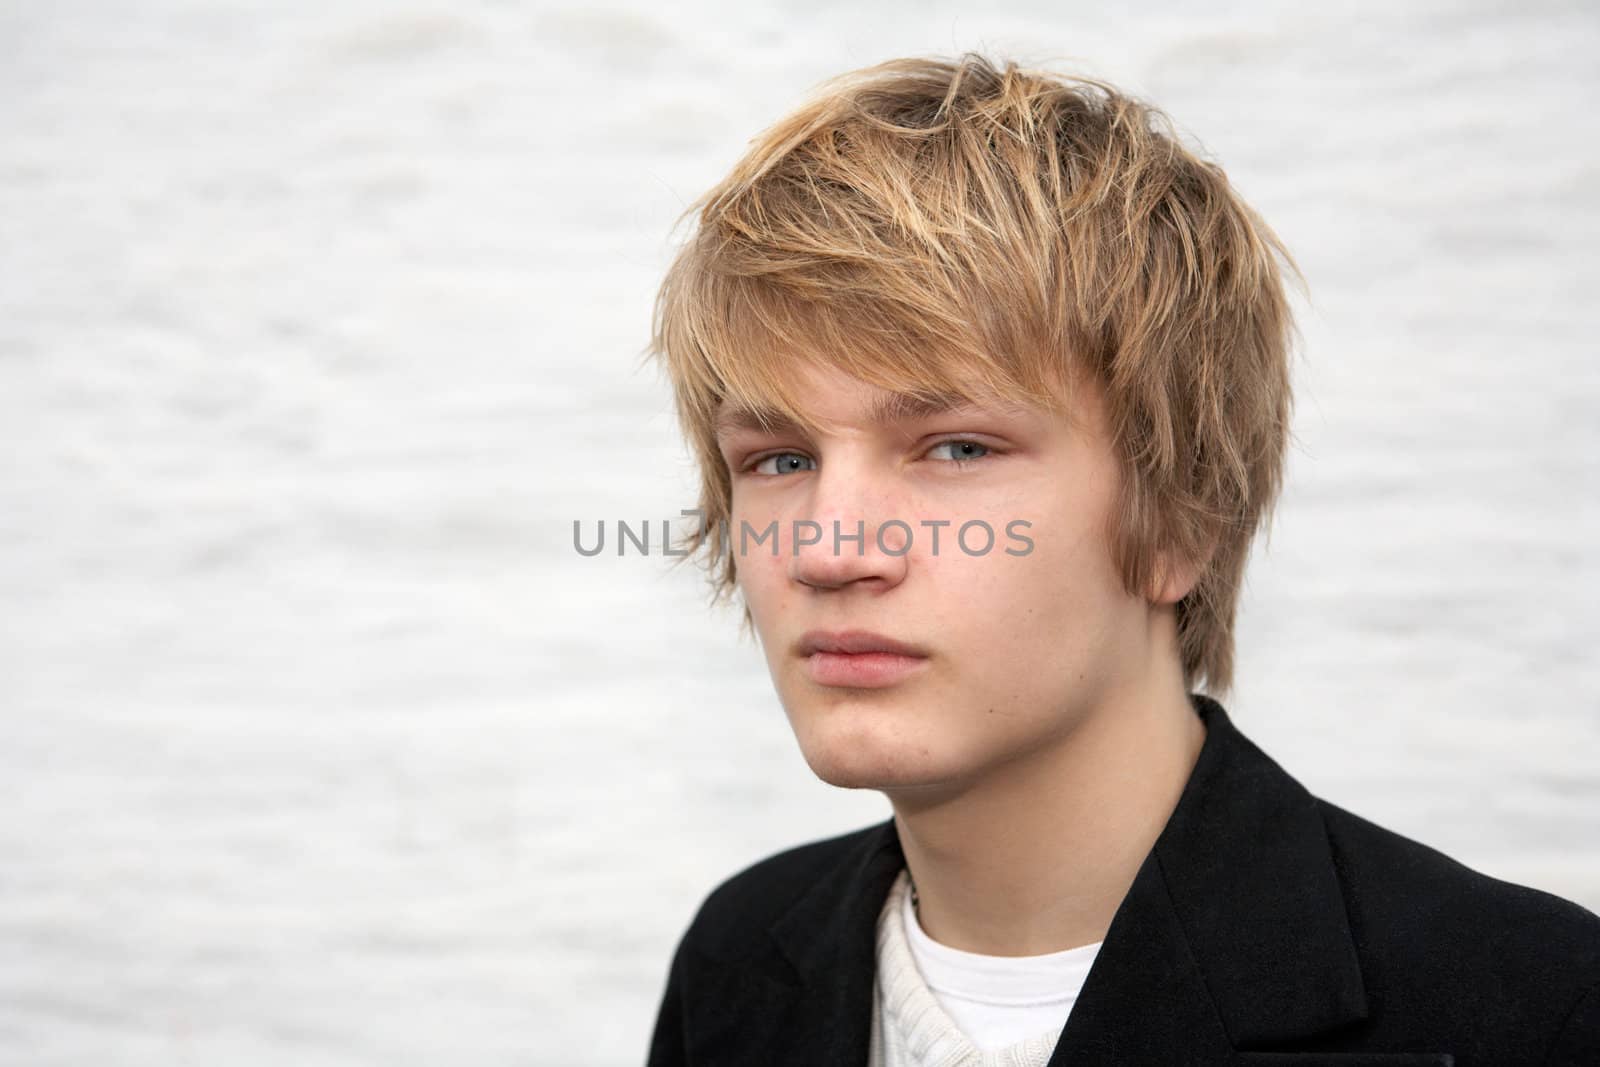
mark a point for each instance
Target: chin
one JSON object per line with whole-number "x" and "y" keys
{"x": 859, "y": 774}
{"x": 851, "y": 751}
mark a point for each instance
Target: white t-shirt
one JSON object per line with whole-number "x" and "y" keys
{"x": 940, "y": 1005}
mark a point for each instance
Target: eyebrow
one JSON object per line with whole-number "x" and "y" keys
{"x": 884, "y": 411}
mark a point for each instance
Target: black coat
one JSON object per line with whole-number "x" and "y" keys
{"x": 1266, "y": 926}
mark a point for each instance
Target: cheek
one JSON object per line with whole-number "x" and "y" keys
{"x": 759, "y": 571}
{"x": 1029, "y": 611}
{"x": 760, "y": 577}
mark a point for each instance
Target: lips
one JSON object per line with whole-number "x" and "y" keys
{"x": 854, "y": 643}
{"x": 859, "y": 659}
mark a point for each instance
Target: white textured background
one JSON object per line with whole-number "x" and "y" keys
{"x": 319, "y": 744}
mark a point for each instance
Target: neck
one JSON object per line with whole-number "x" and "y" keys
{"x": 1037, "y": 855}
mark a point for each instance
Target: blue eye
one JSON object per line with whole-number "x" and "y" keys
{"x": 962, "y": 451}
{"x": 788, "y": 466}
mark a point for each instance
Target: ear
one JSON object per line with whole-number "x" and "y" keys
{"x": 1176, "y": 576}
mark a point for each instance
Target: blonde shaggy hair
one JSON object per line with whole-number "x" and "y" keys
{"x": 944, "y": 226}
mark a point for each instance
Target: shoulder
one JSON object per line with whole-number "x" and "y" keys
{"x": 740, "y": 908}
{"x": 1389, "y": 877}
{"x": 1424, "y": 922}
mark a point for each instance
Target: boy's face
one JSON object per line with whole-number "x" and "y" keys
{"x": 1014, "y": 647}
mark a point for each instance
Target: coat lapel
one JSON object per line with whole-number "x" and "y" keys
{"x": 830, "y": 938}
{"x": 1233, "y": 934}
{"x": 1232, "y": 937}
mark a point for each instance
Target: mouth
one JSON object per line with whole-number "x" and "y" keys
{"x": 858, "y": 659}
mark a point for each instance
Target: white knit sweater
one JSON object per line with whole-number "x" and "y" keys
{"x": 910, "y": 1028}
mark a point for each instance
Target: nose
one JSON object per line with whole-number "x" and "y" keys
{"x": 850, "y": 536}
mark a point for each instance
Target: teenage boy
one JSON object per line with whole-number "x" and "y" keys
{"x": 987, "y": 377}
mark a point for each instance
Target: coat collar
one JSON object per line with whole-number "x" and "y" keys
{"x": 1233, "y": 934}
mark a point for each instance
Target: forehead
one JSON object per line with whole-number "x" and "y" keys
{"x": 828, "y": 398}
